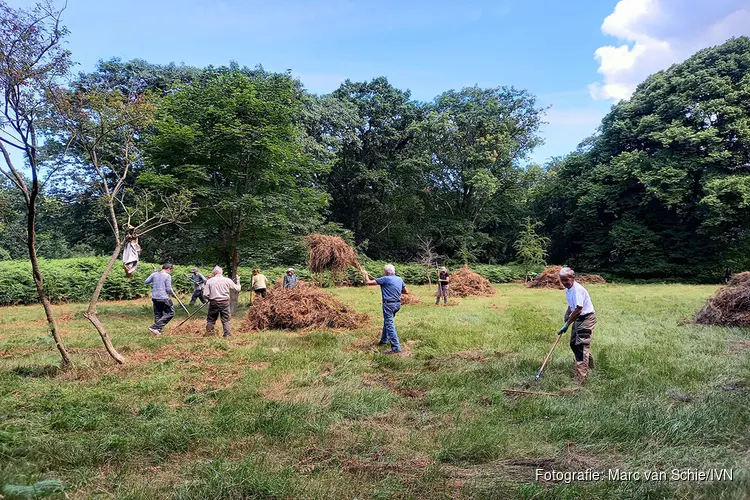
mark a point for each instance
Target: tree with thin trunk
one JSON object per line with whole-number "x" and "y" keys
{"x": 32, "y": 61}
{"x": 103, "y": 127}
{"x": 531, "y": 248}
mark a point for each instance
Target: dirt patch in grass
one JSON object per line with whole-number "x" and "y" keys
{"x": 94, "y": 363}
{"x": 368, "y": 344}
{"x": 739, "y": 346}
{"x": 14, "y": 352}
{"x": 517, "y": 471}
{"x": 474, "y": 355}
{"x": 391, "y": 383}
{"x": 278, "y": 388}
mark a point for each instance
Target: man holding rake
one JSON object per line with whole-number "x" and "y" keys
{"x": 581, "y": 315}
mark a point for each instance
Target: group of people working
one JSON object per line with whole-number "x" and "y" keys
{"x": 216, "y": 290}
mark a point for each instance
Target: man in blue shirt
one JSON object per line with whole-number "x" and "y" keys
{"x": 161, "y": 291}
{"x": 391, "y": 287}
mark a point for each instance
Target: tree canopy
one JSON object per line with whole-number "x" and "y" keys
{"x": 662, "y": 189}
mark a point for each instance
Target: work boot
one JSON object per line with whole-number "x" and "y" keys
{"x": 580, "y": 371}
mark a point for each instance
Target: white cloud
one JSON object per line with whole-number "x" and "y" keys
{"x": 659, "y": 33}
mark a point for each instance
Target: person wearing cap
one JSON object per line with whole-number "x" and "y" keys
{"x": 259, "y": 283}
{"x": 161, "y": 291}
{"x": 217, "y": 292}
{"x": 391, "y": 288}
{"x": 198, "y": 282}
{"x": 442, "y": 291}
{"x": 581, "y": 315}
{"x": 290, "y": 279}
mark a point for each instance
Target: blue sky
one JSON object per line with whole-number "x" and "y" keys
{"x": 577, "y": 56}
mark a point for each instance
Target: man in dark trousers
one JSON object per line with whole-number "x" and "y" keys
{"x": 442, "y": 291}
{"x": 581, "y": 315}
{"x": 198, "y": 282}
{"x": 217, "y": 291}
{"x": 391, "y": 288}
{"x": 161, "y": 291}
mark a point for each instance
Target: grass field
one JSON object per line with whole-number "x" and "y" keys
{"x": 325, "y": 415}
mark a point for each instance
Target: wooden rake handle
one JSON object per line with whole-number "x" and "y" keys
{"x": 539, "y": 373}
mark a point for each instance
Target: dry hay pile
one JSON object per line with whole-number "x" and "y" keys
{"x": 300, "y": 308}
{"x": 410, "y": 300}
{"x": 730, "y": 305}
{"x": 465, "y": 283}
{"x": 329, "y": 253}
{"x": 550, "y": 278}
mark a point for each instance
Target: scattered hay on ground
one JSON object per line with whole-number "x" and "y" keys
{"x": 301, "y": 308}
{"x": 466, "y": 283}
{"x": 550, "y": 278}
{"x": 730, "y": 305}
{"x": 410, "y": 300}
{"x": 329, "y": 253}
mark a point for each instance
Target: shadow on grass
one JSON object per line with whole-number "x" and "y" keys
{"x": 33, "y": 371}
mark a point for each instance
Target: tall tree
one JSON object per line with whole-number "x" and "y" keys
{"x": 375, "y": 188}
{"x": 235, "y": 141}
{"x": 32, "y": 60}
{"x": 472, "y": 143}
{"x": 104, "y": 126}
{"x": 663, "y": 189}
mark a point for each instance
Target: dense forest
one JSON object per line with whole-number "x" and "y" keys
{"x": 662, "y": 189}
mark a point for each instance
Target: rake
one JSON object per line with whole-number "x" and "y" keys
{"x": 539, "y": 373}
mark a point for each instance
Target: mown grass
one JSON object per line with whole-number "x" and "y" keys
{"x": 325, "y": 415}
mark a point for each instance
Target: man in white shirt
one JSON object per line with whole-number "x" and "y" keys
{"x": 216, "y": 291}
{"x": 582, "y": 316}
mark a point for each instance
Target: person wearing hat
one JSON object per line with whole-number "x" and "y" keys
{"x": 290, "y": 279}
{"x": 199, "y": 281}
{"x": 442, "y": 291}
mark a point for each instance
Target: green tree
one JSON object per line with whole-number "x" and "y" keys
{"x": 531, "y": 248}
{"x": 103, "y": 126}
{"x": 662, "y": 190}
{"x": 376, "y": 188}
{"x": 235, "y": 141}
{"x": 471, "y": 143}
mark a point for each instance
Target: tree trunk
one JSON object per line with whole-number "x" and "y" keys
{"x": 91, "y": 311}
{"x": 39, "y": 282}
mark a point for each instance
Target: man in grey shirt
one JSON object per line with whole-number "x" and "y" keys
{"x": 161, "y": 291}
